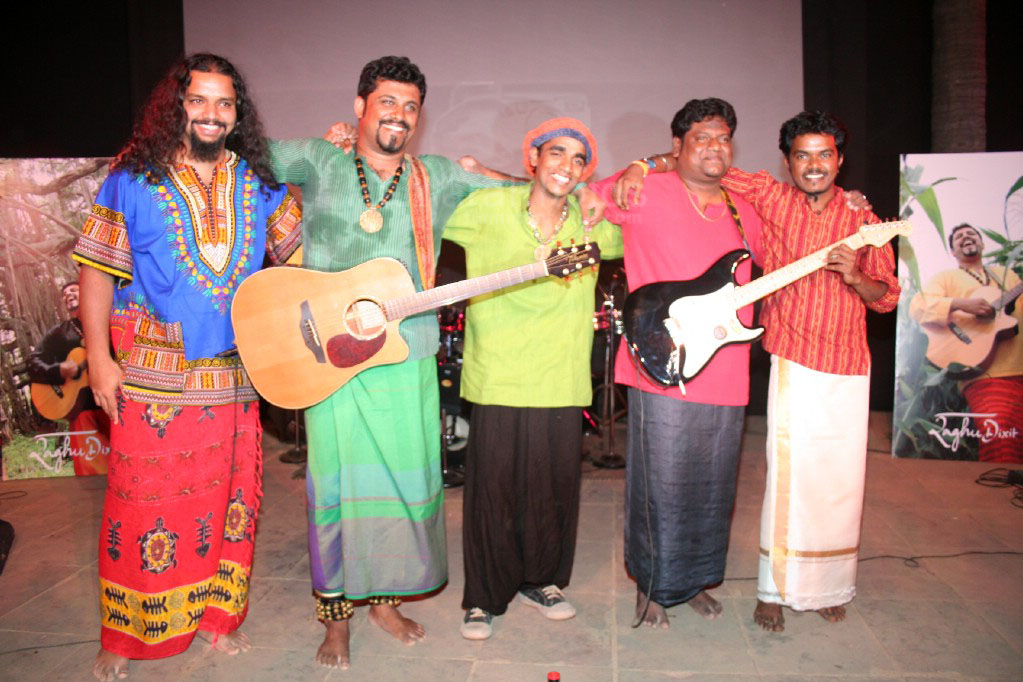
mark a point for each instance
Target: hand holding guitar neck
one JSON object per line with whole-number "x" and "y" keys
{"x": 675, "y": 328}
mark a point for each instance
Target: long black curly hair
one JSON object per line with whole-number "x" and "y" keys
{"x": 160, "y": 129}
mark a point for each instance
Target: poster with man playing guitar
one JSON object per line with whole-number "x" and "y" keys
{"x": 959, "y": 353}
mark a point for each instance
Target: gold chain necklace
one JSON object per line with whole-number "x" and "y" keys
{"x": 689, "y": 193}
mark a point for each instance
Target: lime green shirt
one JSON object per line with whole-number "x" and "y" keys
{"x": 332, "y": 202}
{"x": 528, "y": 345}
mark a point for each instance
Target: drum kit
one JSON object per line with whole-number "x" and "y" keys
{"x": 454, "y": 411}
{"x": 609, "y": 404}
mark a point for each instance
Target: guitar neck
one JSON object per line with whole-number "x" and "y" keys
{"x": 398, "y": 308}
{"x": 771, "y": 282}
{"x": 1008, "y": 297}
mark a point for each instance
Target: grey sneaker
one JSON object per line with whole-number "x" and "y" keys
{"x": 476, "y": 624}
{"x": 548, "y": 600}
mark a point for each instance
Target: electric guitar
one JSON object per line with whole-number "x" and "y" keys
{"x": 302, "y": 334}
{"x": 675, "y": 328}
{"x": 966, "y": 344}
{"x": 55, "y": 401}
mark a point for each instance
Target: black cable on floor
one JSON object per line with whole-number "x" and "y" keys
{"x": 913, "y": 561}
{"x": 1004, "y": 478}
{"x": 47, "y": 646}
{"x": 12, "y": 495}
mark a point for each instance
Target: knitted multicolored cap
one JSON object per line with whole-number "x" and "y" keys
{"x": 561, "y": 127}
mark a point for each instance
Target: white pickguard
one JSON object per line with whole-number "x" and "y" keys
{"x": 702, "y": 324}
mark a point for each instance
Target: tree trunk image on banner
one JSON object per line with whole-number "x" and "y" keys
{"x": 49, "y": 423}
{"x": 959, "y": 343}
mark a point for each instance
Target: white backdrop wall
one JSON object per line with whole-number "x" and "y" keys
{"x": 496, "y": 70}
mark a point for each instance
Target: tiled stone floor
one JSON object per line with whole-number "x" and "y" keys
{"x": 948, "y": 619}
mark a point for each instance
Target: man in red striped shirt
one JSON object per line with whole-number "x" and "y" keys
{"x": 818, "y": 401}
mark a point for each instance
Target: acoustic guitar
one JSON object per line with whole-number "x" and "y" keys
{"x": 966, "y": 344}
{"x": 675, "y": 328}
{"x": 55, "y": 401}
{"x": 302, "y": 334}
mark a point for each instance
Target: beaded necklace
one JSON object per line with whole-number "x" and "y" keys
{"x": 544, "y": 249}
{"x": 983, "y": 282}
{"x": 372, "y": 219}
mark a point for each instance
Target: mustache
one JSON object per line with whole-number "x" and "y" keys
{"x": 209, "y": 122}
{"x": 395, "y": 123}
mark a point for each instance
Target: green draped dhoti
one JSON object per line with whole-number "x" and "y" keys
{"x": 374, "y": 488}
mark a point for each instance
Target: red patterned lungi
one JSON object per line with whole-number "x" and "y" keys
{"x": 178, "y": 524}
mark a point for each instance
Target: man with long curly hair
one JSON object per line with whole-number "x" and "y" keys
{"x": 185, "y": 215}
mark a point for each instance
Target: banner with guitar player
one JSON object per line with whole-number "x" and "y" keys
{"x": 49, "y": 424}
{"x": 959, "y": 347}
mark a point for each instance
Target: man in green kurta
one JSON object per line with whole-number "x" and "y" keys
{"x": 527, "y": 372}
{"x": 375, "y": 495}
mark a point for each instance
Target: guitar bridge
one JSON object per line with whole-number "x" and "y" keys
{"x": 311, "y": 337}
{"x": 959, "y": 333}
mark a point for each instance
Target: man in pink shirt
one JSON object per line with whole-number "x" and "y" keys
{"x": 683, "y": 448}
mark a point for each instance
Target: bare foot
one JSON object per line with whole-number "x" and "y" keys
{"x": 706, "y": 605}
{"x": 398, "y": 626}
{"x": 769, "y": 616}
{"x": 832, "y": 614}
{"x": 109, "y": 666}
{"x": 333, "y": 653}
{"x": 656, "y": 616}
{"x": 232, "y": 644}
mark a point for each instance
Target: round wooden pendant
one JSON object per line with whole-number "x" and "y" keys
{"x": 371, "y": 220}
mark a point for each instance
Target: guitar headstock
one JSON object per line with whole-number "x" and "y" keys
{"x": 572, "y": 258}
{"x": 881, "y": 233}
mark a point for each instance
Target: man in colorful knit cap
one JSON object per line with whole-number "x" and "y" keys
{"x": 527, "y": 372}
{"x": 968, "y": 296}
{"x": 187, "y": 212}
{"x": 816, "y": 334}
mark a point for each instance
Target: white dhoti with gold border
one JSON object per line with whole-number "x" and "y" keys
{"x": 813, "y": 503}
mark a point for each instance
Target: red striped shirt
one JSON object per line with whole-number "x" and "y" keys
{"x": 817, "y": 321}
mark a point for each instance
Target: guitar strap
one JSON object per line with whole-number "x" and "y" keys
{"x": 735, "y": 217}
{"x": 1001, "y": 284}
{"x": 422, "y": 219}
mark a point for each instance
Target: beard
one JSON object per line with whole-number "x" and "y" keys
{"x": 201, "y": 150}
{"x": 390, "y": 144}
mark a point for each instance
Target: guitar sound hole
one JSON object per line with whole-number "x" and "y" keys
{"x": 364, "y": 319}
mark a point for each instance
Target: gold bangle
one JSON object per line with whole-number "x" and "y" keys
{"x": 642, "y": 164}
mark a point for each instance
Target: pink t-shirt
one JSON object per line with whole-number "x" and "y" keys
{"x": 667, "y": 239}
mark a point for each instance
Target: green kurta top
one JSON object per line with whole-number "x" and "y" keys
{"x": 528, "y": 345}
{"x": 332, "y": 203}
